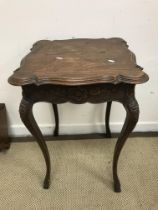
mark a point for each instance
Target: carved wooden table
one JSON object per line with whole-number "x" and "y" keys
{"x": 79, "y": 71}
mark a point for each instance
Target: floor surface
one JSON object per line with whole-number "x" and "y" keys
{"x": 81, "y": 176}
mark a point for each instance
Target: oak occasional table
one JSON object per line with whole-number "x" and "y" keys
{"x": 79, "y": 71}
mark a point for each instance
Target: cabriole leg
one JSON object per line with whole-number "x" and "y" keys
{"x": 132, "y": 115}
{"x": 30, "y": 123}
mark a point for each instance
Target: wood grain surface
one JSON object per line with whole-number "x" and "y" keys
{"x": 79, "y": 62}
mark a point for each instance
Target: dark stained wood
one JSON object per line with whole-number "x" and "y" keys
{"x": 56, "y": 116}
{"x": 107, "y": 119}
{"x": 79, "y": 62}
{"x": 26, "y": 115}
{"x": 80, "y": 71}
{"x": 58, "y": 94}
{"x": 132, "y": 114}
{"x": 4, "y": 138}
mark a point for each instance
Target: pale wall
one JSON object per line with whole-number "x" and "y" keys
{"x": 24, "y": 22}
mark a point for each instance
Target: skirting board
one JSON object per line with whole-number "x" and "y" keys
{"x": 67, "y": 129}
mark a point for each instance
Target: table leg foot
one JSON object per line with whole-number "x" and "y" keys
{"x": 107, "y": 118}
{"x": 117, "y": 186}
{"x": 4, "y": 146}
{"x": 56, "y": 130}
{"x": 30, "y": 123}
{"x": 46, "y": 183}
{"x": 132, "y": 115}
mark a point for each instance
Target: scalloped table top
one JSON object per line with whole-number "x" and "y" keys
{"x": 79, "y": 62}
